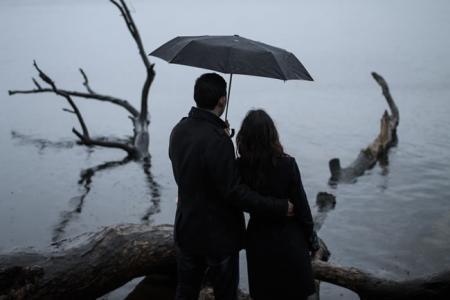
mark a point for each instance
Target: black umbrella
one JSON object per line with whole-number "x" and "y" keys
{"x": 233, "y": 55}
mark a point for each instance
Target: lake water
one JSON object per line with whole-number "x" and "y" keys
{"x": 393, "y": 222}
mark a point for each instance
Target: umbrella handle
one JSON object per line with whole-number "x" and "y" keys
{"x": 228, "y": 97}
{"x": 230, "y": 131}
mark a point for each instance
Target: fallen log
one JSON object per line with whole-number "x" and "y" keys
{"x": 91, "y": 265}
{"x": 370, "y": 287}
{"x": 377, "y": 150}
{"x": 163, "y": 288}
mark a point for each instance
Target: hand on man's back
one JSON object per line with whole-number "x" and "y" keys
{"x": 290, "y": 212}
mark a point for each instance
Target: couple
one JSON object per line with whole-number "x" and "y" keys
{"x": 214, "y": 188}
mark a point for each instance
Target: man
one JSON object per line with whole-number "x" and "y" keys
{"x": 209, "y": 223}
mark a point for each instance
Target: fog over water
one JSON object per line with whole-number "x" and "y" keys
{"x": 393, "y": 222}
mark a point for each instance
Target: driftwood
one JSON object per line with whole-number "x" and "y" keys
{"x": 377, "y": 150}
{"x": 163, "y": 287}
{"x": 325, "y": 202}
{"x": 93, "y": 264}
{"x": 84, "y": 260}
{"x": 139, "y": 145}
{"x": 89, "y": 265}
{"x": 370, "y": 287}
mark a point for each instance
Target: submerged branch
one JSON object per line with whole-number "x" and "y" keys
{"x": 377, "y": 151}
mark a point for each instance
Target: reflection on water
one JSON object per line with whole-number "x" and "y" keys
{"x": 154, "y": 188}
{"x": 40, "y": 143}
{"x": 86, "y": 179}
{"x": 78, "y": 201}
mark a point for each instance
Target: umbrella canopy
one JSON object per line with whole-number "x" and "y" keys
{"x": 233, "y": 55}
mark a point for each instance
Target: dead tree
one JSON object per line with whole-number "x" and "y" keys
{"x": 138, "y": 147}
{"x": 91, "y": 265}
{"x": 377, "y": 150}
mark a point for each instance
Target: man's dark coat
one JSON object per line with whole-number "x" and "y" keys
{"x": 211, "y": 198}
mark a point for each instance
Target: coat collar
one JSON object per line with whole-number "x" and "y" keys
{"x": 198, "y": 113}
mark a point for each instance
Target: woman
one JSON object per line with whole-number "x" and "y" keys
{"x": 278, "y": 250}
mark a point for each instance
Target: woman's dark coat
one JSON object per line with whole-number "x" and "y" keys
{"x": 278, "y": 258}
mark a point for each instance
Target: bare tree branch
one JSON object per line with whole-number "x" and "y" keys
{"x": 68, "y": 110}
{"x": 44, "y": 76}
{"x": 84, "y": 136}
{"x": 125, "y": 16}
{"x": 36, "y": 84}
{"x": 386, "y": 93}
{"x": 49, "y": 81}
{"x": 88, "y": 141}
{"x": 123, "y": 103}
{"x": 123, "y": 8}
{"x": 86, "y": 82}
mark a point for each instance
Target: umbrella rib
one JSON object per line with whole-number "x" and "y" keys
{"x": 229, "y": 59}
{"x": 262, "y": 45}
{"x": 279, "y": 67}
{"x": 179, "y": 51}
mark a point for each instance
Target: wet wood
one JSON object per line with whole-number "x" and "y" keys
{"x": 371, "y": 287}
{"x": 151, "y": 288}
{"x": 325, "y": 202}
{"x": 91, "y": 265}
{"x": 377, "y": 151}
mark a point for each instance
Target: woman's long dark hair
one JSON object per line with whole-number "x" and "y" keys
{"x": 258, "y": 147}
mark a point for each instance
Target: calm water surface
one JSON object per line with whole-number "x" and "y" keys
{"x": 394, "y": 222}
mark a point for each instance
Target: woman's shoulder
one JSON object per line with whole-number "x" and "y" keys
{"x": 286, "y": 161}
{"x": 286, "y": 158}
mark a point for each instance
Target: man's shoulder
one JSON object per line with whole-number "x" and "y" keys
{"x": 184, "y": 124}
{"x": 182, "y": 121}
{"x": 200, "y": 127}
{"x": 221, "y": 133}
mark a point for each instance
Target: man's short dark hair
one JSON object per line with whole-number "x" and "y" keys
{"x": 208, "y": 89}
